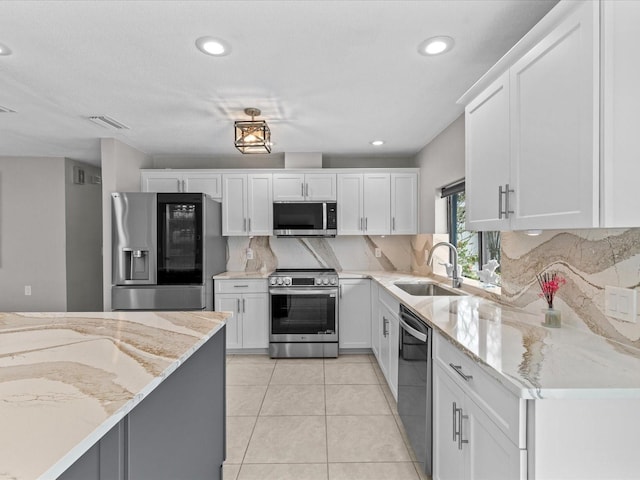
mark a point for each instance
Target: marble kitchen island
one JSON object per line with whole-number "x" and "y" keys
{"x": 111, "y": 394}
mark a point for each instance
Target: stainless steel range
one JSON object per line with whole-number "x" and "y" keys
{"x": 304, "y": 313}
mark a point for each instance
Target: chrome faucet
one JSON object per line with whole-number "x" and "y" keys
{"x": 456, "y": 282}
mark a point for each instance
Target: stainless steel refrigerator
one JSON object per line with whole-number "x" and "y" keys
{"x": 166, "y": 248}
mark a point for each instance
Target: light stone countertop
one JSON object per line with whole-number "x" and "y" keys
{"x": 67, "y": 378}
{"x": 530, "y": 360}
{"x": 511, "y": 345}
{"x": 242, "y": 275}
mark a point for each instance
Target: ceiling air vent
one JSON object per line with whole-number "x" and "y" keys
{"x": 108, "y": 122}
{"x": 6, "y": 110}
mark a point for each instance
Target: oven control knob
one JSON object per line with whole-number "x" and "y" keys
{"x": 325, "y": 281}
{"x": 332, "y": 281}
{"x": 287, "y": 281}
{"x": 279, "y": 281}
{"x": 272, "y": 281}
{"x": 318, "y": 281}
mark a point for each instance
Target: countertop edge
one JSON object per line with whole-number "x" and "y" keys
{"x": 81, "y": 448}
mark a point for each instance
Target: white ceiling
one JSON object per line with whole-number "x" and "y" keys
{"x": 329, "y": 76}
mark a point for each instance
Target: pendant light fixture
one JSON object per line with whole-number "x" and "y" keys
{"x": 252, "y": 136}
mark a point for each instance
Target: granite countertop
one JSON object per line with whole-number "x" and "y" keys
{"x": 67, "y": 378}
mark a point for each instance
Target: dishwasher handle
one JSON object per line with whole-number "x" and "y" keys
{"x": 412, "y": 331}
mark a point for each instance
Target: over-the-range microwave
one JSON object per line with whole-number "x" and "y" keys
{"x": 305, "y": 219}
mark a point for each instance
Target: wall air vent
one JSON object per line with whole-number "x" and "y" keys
{"x": 108, "y": 122}
{"x": 6, "y": 110}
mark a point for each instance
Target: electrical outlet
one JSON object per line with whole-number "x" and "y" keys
{"x": 620, "y": 303}
{"x": 27, "y": 290}
{"x": 378, "y": 253}
{"x": 249, "y": 254}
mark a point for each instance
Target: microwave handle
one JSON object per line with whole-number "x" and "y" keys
{"x": 324, "y": 216}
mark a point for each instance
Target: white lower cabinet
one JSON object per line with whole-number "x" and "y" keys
{"x": 375, "y": 323}
{"x": 388, "y": 325}
{"x": 354, "y": 317}
{"x": 478, "y": 427}
{"x": 248, "y": 300}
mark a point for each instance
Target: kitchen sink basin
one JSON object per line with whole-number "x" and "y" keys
{"x": 427, "y": 289}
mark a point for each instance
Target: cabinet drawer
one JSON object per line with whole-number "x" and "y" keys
{"x": 240, "y": 286}
{"x": 506, "y": 410}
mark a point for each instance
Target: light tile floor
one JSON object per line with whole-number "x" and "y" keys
{"x": 308, "y": 419}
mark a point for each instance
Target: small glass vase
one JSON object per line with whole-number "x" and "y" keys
{"x": 552, "y": 318}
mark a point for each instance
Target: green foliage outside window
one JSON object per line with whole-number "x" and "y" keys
{"x": 467, "y": 243}
{"x": 474, "y": 248}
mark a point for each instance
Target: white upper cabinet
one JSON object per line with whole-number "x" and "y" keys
{"x": 209, "y": 183}
{"x": 554, "y": 108}
{"x": 159, "y": 181}
{"x": 260, "y": 204}
{"x": 487, "y": 157}
{"x": 532, "y": 136}
{"x": 621, "y": 101}
{"x": 291, "y": 187}
{"x": 364, "y": 204}
{"x": 404, "y": 203}
{"x": 182, "y": 181}
{"x": 247, "y": 204}
{"x": 350, "y": 204}
{"x": 376, "y": 206}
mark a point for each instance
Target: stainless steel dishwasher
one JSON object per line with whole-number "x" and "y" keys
{"x": 415, "y": 385}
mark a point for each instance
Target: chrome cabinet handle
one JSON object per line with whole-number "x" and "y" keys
{"x": 249, "y": 227}
{"x": 455, "y": 420}
{"x": 340, "y": 289}
{"x": 507, "y": 201}
{"x": 302, "y": 189}
{"x": 184, "y": 186}
{"x": 306, "y": 191}
{"x": 244, "y": 310}
{"x": 458, "y": 370}
{"x": 238, "y": 309}
{"x": 460, "y": 418}
{"x": 506, "y": 193}
{"x": 244, "y": 224}
{"x": 393, "y": 224}
{"x": 385, "y": 325}
{"x": 366, "y": 223}
{"x": 241, "y": 286}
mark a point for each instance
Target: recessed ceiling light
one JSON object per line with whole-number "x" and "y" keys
{"x": 435, "y": 46}
{"x": 4, "y": 50}
{"x": 213, "y": 46}
{"x": 377, "y": 143}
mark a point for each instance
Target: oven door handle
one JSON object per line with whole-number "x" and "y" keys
{"x": 305, "y": 291}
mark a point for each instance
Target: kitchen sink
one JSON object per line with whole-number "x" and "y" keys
{"x": 427, "y": 289}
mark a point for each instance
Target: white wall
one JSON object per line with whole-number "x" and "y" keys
{"x": 120, "y": 173}
{"x": 32, "y": 234}
{"x": 83, "y": 239}
{"x": 441, "y": 162}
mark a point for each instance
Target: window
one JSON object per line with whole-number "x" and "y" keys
{"x": 474, "y": 248}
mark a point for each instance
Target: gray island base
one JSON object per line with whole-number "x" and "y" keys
{"x": 177, "y": 432}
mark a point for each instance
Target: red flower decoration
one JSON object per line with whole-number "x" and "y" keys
{"x": 549, "y": 284}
